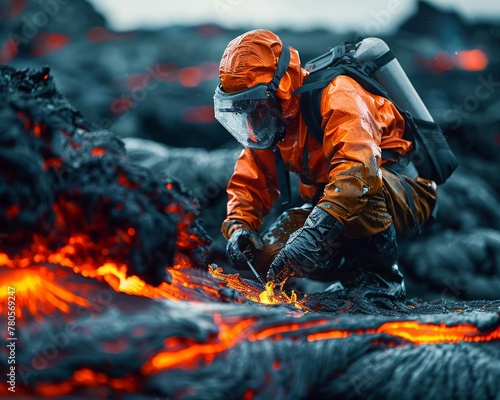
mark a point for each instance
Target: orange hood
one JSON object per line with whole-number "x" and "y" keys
{"x": 252, "y": 58}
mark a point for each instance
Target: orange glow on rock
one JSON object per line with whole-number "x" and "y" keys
{"x": 249, "y": 394}
{"x": 48, "y": 43}
{"x": 123, "y": 180}
{"x": 98, "y": 151}
{"x": 191, "y": 353}
{"x": 53, "y": 162}
{"x": 199, "y": 115}
{"x": 99, "y": 34}
{"x": 186, "y": 353}
{"x": 17, "y": 7}
{"x": 87, "y": 378}
{"x": 37, "y": 292}
{"x": 472, "y": 60}
{"x": 417, "y": 333}
{"x": 37, "y": 130}
{"x": 119, "y": 345}
{"x": 270, "y": 294}
{"x": 13, "y": 211}
{"x": 467, "y": 60}
{"x": 190, "y": 76}
{"x": 9, "y": 50}
{"x": 444, "y": 61}
{"x": 25, "y": 119}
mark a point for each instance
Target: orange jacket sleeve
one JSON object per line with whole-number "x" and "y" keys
{"x": 353, "y": 123}
{"x": 252, "y": 190}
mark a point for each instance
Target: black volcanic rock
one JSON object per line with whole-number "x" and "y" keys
{"x": 63, "y": 177}
{"x": 99, "y": 337}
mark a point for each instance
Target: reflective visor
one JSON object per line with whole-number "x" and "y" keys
{"x": 252, "y": 116}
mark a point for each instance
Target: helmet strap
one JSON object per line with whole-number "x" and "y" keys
{"x": 281, "y": 68}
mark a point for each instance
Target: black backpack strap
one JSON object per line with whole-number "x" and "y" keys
{"x": 384, "y": 59}
{"x": 310, "y": 99}
{"x": 310, "y": 105}
{"x": 283, "y": 178}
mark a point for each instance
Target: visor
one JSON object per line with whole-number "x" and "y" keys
{"x": 252, "y": 116}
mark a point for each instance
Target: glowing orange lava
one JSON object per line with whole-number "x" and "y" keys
{"x": 419, "y": 333}
{"x": 37, "y": 293}
{"x": 40, "y": 292}
{"x": 88, "y": 378}
{"x": 186, "y": 353}
{"x": 270, "y": 294}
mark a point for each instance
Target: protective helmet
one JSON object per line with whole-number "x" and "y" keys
{"x": 248, "y": 101}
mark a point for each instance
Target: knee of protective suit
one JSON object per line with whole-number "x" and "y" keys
{"x": 276, "y": 236}
{"x": 424, "y": 196}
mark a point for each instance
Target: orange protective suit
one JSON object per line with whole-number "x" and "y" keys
{"x": 346, "y": 173}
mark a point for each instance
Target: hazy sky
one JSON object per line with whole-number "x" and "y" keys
{"x": 339, "y": 15}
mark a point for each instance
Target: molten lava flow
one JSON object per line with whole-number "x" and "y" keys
{"x": 429, "y": 333}
{"x": 270, "y": 294}
{"x": 37, "y": 292}
{"x": 41, "y": 291}
{"x": 87, "y": 377}
{"x": 184, "y": 283}
{"x": 186, "y": 353}
{"x": 419, "y": 333}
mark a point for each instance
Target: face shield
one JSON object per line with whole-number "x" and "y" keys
{"x": 253, "y": 116}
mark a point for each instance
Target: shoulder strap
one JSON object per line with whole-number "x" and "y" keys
{"x": 310, "y": 99}
{"x": 311, "y": 91}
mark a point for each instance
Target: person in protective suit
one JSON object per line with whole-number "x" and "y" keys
{"x": 354, "y": 205}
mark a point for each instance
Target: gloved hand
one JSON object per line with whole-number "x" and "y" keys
{"x": 241, "y": 245}
{"x": 306, "y": 247}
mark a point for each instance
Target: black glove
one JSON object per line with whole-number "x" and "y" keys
{"x": 241, "y": 245}
{"x": 306, "y": 247}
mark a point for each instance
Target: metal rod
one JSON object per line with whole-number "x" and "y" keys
{"x": 256, "y": 273}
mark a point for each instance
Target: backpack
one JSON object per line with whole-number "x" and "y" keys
{"x": 373, "y": 65}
